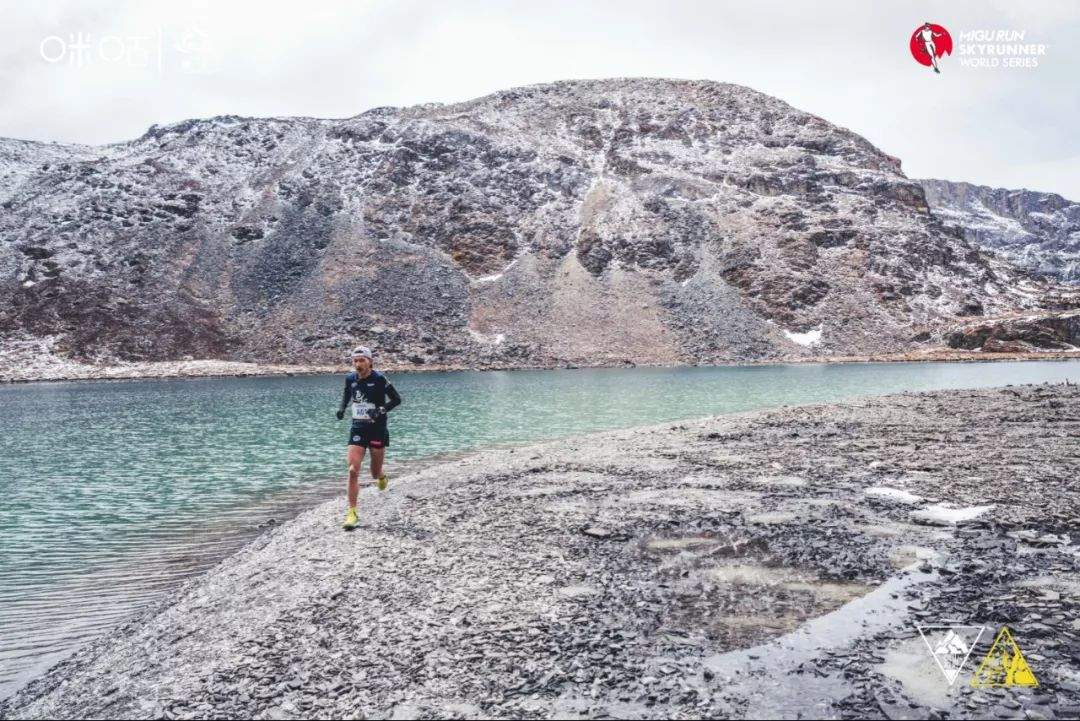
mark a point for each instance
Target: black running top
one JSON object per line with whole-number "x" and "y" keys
{"x": 369, "y": 393}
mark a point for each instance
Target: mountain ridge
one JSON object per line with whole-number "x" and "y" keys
{"x": 1035, "y": 230}
{"x": 572, "y": 222}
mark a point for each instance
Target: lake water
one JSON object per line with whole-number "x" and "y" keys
{"x": 111, "y": 493}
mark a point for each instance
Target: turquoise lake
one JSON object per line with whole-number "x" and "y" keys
{"x": 112, "y": 493}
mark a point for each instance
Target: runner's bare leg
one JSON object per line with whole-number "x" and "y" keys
{"x": 377, "y": 455}
{"x": 356, "y": 458}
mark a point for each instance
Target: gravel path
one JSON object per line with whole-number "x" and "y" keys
{"x": 767, "y": 563}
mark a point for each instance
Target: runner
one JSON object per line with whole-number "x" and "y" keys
{"x": 927, "y": 34}
{"x": 372, "y": 397}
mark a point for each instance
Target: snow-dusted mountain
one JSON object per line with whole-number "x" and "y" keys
{"x": 585, "y": 222}
{"x": 1037, "y": 231}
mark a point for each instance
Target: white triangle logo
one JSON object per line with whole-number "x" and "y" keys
{"x": 950, "y": 646}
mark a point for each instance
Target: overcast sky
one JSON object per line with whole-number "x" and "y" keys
{"x": 845, "y": 61}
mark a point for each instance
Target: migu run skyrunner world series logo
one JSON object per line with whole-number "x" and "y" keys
{"x": 991, "y": 48}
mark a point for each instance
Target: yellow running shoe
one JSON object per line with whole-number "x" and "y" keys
{"x": 350, "y": 519}
{"x": 383, "y": 481}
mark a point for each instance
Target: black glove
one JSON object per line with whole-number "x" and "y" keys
{"x": 340, "y": 414}
{"x": 377, "y": 413}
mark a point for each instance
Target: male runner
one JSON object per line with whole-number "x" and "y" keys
{"x": 372, "y": 397}
{"x": 927, "y": 35}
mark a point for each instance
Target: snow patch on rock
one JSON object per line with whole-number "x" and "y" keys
{"x": 894, "y": 494}
{"x": 486, "y": 338}
{"x": 946, "y": 514}
{"x": 807, "y": 339}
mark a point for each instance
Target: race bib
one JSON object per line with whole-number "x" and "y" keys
{"x": 360, "y": 410}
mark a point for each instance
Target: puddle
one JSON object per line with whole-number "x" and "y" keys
{"x": 789, "y": 580}
{"x": 895, "y": 529}
{"x": 910, "y": 663}
{"x": 702, "y": 548}
{"x": 904, "y": 556}
{"x": 880, "y": 531}
{"x": 789, "y": 481}
{"x": 741, "y": 601}
{"x": 765, "y": 674}
{"x": 771, "y": 519}
{"x": 1063, "y": 584}
{"x": 758, "y": 622}
{"x": 720, "y": 499}
{"x": 666, "y": 544}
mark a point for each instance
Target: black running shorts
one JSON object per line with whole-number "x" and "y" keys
{"x": 369, "y": 435}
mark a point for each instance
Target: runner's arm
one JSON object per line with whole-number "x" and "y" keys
{"x": 394, "y": 398}
{"x": 344, "y": 399}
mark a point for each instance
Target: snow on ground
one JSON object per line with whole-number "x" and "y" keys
{"x": 946, "y": 514}
{"x": 894, "y": 494}
{"x": 492, "y": 339}
{"x": 806, "y": 339}
{"x": 495, "y": 276}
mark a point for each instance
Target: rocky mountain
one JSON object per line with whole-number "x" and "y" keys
{"x": 1019, "y": 334}
{"x": 578, "y": 222}
{"x": 1037, "y": 231}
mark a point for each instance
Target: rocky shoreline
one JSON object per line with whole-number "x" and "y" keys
{"x": 212, "y": 368}
{"x": 755, "y": 565}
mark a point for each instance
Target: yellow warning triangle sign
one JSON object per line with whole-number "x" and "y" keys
{"x": 1004, "y": 665}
